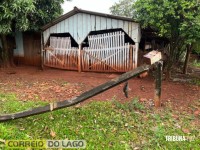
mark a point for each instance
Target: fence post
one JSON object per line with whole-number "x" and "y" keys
{"x": 79, "y": 57}
{"x": 42, "y": 59}
{"x": 131, "y": 57}
{"x": 158, "y": 84}
{"x": 136, "y": 53}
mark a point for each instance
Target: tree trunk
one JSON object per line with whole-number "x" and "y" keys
{"x": 173, "y": 56}
{"x": 189, "y": 48}
{"x": 6, "y": 52}
{"x": 169, "y": 61}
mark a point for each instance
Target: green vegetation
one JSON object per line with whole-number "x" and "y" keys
{"x": 104, "y": 125}
{"x": 196, "y": 63}
{"x": 196, "y": 47}
{"x": 123, "y": 8}
{"x": 196, "y": 82}
{"x": 178, "y": 21}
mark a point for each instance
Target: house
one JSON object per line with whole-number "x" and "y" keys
{"x": 90, "y": 41}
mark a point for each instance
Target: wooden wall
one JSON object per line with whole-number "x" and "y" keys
{"x": 19, "y": 50}
{"x": 32, "y": 48}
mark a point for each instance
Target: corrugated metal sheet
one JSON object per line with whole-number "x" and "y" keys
{"x": 76, "y": 10}
{"x": 80, "y": 24}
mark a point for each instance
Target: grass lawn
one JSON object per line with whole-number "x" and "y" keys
{"x": 104, "y": 125}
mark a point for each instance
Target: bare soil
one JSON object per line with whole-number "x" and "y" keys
{"x": 30, "y": 83}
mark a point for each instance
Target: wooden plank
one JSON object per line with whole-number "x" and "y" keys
{"x": 93, "y": 23}
{"x": 120, "y": 41}
{"x": 87, "y": 60}
{"x": 55, "y": 57}
{"x": 104, "y": 49}
{"x": 100, "y": 61}
{"x": 92, "y": 47}
{"x": 83, "y": 61}
{"x": 135, "y": 35}
{"x": 114, "y": 23}
{"x": 136, "y": 53}
{"x": 67, "y": 103}
{"x": 79, "y": 58}
{"x": 128, "y": 57}
{"x": 74, "y": 54}
{"x": 130, "y": 29}
{"x": 59, "y": 40}
{"x": 62, "y": 27}
{"x": 126, "y": 26}
{"x": 46, "y": 35}
{"x": 109, "y": 23}
{"x": 98, "y": 23}
{"x": 89, "y": 26}
{"x": 114, "y": 49}
{"x": 66, "y": 29}
{"x": 103, "y": 23}
{"x": 131, "y": 57}
{"x": 85, "y": 24}
{"x": 71, "y": 26}
{"x": 58, "y": 27}
{"x": 107, "y": 49}
{"x": 120, "y": 24}
{"x": 123, "y": 64}
{"x": 76, "y": 27}
{"x": 89, "y": 41}
{"x": 96, "y": 54}
{"x": 53, "y": 29}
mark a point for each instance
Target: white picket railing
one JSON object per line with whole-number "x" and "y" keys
{"x": 62, "y": 54}
{"x": 108, "y": 53}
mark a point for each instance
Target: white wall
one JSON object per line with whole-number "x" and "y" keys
{"x": 80, "y": 25}
{"x": 19, "y": 51}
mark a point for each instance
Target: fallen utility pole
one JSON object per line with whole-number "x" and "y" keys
{"x": 67, "y": 103}
{"x": 158, "y": 84}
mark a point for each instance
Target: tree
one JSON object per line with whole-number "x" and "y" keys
{"x": 46, "y": 11}
{"x": 197, "y": 47}
{"x": 123, "y": 8}
{"x": 176, "y": 20}
{"x": 22, "y": 15}
{"x": 13, "y": 16}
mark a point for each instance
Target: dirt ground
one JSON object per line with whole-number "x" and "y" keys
{"x": 30, "y": 83}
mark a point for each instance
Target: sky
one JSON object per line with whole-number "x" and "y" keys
{"x": 91, "y": 5}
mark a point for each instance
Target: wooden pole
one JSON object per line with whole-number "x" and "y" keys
{"x": 136, "y": 54}
{"x": 42, "y": 52}
{"x": 79, "y": 58}
{"x": 131, "y": 65}
{"x": 66, "y": 103}
{"x": 158, "y": 84}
